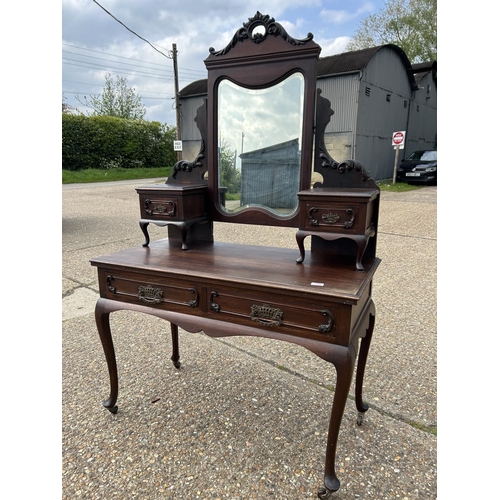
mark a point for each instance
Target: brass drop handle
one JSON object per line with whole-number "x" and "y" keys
{"x": 150, "y": 295}
{"x": 161, "y": 208}
{"x": 266, "y": 315}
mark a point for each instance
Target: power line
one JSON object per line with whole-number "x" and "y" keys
{"x": 90, "y": 64}
{"x": 126, "y": 27}
{"x": 107, "y": 54}
{"x": 124, "y": 71}
{"x": 128, "y": 58}
{"x": 108, "y": 60}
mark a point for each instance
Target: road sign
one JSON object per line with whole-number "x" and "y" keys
{"x": 177, "y": 145}
{"x": 398, "y": 141}
{"x": 398, "y": 138}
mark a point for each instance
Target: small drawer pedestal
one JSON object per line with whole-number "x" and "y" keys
{"x": 333, "y": 214}
{"x": 177, "y": 205}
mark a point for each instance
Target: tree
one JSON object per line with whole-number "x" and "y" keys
{"x": 66, "y": 108}
{"x": 230, "y": 175}
{"x": 117, "y": 99}
{"x": 409, "y": 24}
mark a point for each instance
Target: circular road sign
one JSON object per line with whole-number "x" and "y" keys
{"x": 398, "y": 138}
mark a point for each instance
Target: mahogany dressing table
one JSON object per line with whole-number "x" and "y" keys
{"x": 320, "y": 300}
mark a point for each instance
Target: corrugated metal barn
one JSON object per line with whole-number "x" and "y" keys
{"x": 374, "y": 92}
{"x": 276, "y": 187}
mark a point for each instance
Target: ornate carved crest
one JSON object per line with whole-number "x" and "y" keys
{"x": 271, "y": 27}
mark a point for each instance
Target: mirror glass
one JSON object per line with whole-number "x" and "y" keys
{"x": 259, "y": 145}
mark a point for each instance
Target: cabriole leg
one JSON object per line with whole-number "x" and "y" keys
{"x": 175, "y": 345}
{"x": 300, "y": 236}
{"x": 360, "y": 372}
{"x": 345, "y": 369}
{"x": 362, "y": 243}
{"x": 102, "y": 322}
{"x": 144, "y": 229}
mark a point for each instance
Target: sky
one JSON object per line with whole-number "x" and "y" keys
{"x": 134, "y": 39}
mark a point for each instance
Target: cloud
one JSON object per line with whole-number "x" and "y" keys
{"x": 332, "y": 46}
{"x": 344, "y": 16}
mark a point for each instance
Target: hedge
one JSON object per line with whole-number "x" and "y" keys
{"x": 106, "y": 142}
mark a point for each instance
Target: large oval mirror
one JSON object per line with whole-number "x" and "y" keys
{"x": 259, "y": 146}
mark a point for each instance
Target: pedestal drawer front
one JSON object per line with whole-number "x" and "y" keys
{"x": 273, "y": 311}
{"x": 159, "y": 207}
{"x": 334, "y": 217}
{"x": 171, "y": 295}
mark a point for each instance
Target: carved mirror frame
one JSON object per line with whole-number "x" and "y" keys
{"x": 261, "y": 55}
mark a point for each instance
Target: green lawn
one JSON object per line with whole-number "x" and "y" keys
{"x": 113, "y": 174}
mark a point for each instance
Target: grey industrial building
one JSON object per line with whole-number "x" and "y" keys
{"x": 374, "y": 92}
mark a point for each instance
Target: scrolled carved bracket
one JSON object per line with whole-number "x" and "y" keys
{"x": 187, "y": 166}
{"x": 353, "y": 174}
{"x": 353, "y": 165}
{"x": 353, "y": 171}
{"x": 111, "y": 288}
{"x": 191, "y": 172}
{"x": 213, "y": 306}
{"x": 326, "y": 160}
{"x": 312, "y": 219}
{"x": 271, "y": 27}
{"x": 194, "y": 302}
{"x": 328, "y": 327}
{"x": 349, "y": 223}
{"x": 343, "y": 167}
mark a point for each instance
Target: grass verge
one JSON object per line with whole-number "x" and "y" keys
{"x": 113, "y": 174}
{"x": 398, "y": 187}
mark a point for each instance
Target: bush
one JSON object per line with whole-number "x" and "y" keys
{"x": 105, "y": 142}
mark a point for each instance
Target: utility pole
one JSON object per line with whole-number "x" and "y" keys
{"x": 177, "y": 107}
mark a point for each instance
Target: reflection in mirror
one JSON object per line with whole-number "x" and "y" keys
{"x": 260, "y": 137}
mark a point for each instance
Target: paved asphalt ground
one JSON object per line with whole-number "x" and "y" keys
{"x": 245, "y": 418}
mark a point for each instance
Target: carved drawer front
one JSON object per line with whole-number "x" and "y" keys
{"x": 334, "y": 217}
{"x": 159, "y": 207}
{"x": 174, "y": 296}
{"x": 272, "y": 311}
{"x": 173, "y": 203}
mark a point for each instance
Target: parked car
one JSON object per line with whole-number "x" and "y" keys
{"x": 420, "y": 166}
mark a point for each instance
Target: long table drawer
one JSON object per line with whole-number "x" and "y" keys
{"x": 173, "y": 295}
{"x": 273, "y": 311}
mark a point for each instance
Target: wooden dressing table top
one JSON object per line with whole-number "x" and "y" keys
{"x": 250, "y": 266}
